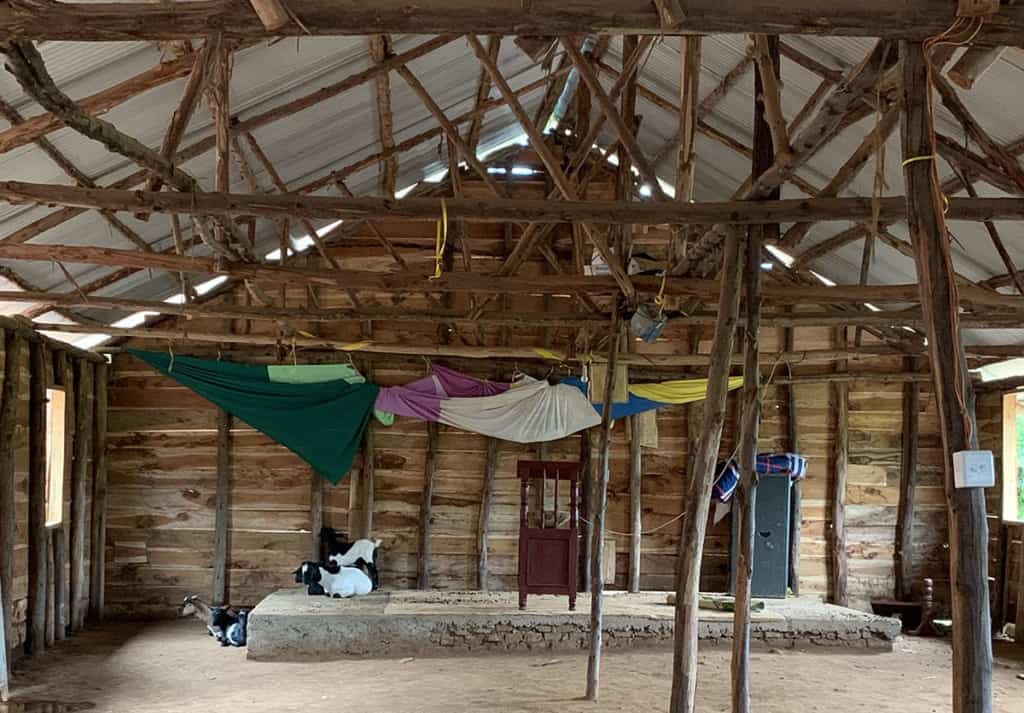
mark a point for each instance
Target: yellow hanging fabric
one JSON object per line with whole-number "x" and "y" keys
{"x": 679, "y": 392}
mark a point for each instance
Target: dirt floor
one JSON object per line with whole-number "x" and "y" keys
{"x": 173, "y": 666}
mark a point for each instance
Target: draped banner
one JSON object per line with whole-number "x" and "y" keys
{"x": 322, "y": 411}
{"x": 646, "y": 397}
{"x": 526, "y": 411}
{"x": 319, "y": 413}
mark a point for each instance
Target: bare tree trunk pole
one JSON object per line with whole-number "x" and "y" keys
{"x": 695, "y": 520}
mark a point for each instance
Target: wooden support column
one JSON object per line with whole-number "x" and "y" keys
{"x": 954, "y": 395}
{"x": 81, "y": 489}
{"x": 840, "y": 464}
{"x": 35, "y": 640}
{"x": 796, "y": 498}
{"x": 222, "y": 514}
{"x": 61, "y": 601}
{"x": 5, "y": 664}
{"x": 316, "y": 514}
{"x": 48, "y": 634}
{"x": 586, "y": 466}
{"x": 698, "y": 495}
{"x": 483, "y": 529}
{"x": 636, "y": 471}
{"x": 597, "y": 517}
{"x": 766, "y": 145}
{"x": 366, "y": 483}
{"x": 426, "y": 514}
{"x": 13, "y": 346}
{"x": 97, "y": 575}
{"x": 1019, "y": 619}
{"x": 908, "y": 480}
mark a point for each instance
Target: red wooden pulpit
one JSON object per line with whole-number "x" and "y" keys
{"x": 549, "y": 552}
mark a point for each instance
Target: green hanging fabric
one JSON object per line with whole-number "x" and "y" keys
{"x": 323, "y": 422}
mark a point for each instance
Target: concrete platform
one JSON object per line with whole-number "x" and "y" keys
{"x": 289, "y": 625}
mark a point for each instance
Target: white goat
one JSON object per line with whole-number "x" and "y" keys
{"x": 346, "y": 582}
{"x": 364, "y": 549}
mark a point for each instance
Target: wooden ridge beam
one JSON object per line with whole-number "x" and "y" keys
{"x": 120, "y": 21}
{"x": 492, "y": 210}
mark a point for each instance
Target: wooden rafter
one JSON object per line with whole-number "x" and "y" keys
{"x": 186, "y": 105}
{"x": 709, "y": 102}
{"x": 843, "y": 107}
{"x": 995, "y": 153}
{"x": 553, "y": 166}
{"x": 380, "y": 49}
{"x": 27, "y": 66}
{"x": 613, "y": 116}
{"x": 14, "y": 117}
{"x": 846, "y": 173}
{"x": 125, "y": 20}
{"x": 483, "y": 91}
{"x": 99, "y": 103}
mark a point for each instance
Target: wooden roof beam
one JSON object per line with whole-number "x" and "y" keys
{"x": 120, "y": 21}
{"x": 492, "y": 210}
{"x": 385, "y": 282}
{"x": 380, "y": 49}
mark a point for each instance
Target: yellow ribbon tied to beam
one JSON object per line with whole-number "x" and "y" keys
{"x": 440, "y": 241}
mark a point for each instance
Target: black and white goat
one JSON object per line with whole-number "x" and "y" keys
{"x": 342, "y": 553}
{"x": 227, "y": 628}
{"x": 333, "y": 581}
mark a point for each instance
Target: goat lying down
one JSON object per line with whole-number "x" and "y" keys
{"x": 342, "y": 553}
{"x": 335, "y": 582}
{"x": 227, "y": 628}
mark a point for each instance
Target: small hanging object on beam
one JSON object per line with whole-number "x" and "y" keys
{"x": 534, "y": 47}
{"x": 671, "y": 13}
{"x": 272, "y": 13}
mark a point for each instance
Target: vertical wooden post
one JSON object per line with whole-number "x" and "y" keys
{"x": 364, "y": 495}
{"x": 686, "y": 157}
{"x": 5, "y": 664}
{"x": 316, "y": 513}
{"x": 97, "y": 576}
{"x": 1019, "y": 623}
{"x": 423, "y": 561}
{"x": 222, "y": 513}
{"x": 796, "y": 497}
{"x": 698, "y": 495}
{"x": 60, "y": 591}
{"x": 81, "y": 490}
{"x": 746, "y": 494}
{"x": 840, "y": 462}
{"x": 954, "y": 396}
{"x": 908, "y": 481}
{"x": 483, "y": 528}
{"x": 600, "y": 503}
{"x": 62, "y": 597}
{"x": 13, "y": 346}
{"x": 636, "y": 467}
{"x": 35, "y": 640}
{"x": 587, "y": 470}
{"x": 51, "y": 576}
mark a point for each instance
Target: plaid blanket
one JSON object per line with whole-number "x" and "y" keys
{"x": 727, "y": 473}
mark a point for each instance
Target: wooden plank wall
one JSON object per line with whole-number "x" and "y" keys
{"x": 20, "y": 549}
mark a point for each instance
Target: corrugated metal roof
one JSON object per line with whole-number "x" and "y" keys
{"x": 336, "y": 132}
